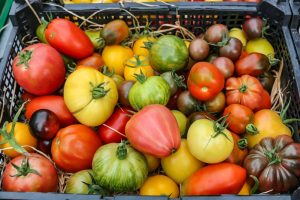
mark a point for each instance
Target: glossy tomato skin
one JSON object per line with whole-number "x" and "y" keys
{"x": 44, "y": 124}
{"x": 42, "y": 72}
{"x": 44, "y": 146}
{"x": 225, "y": 65}
{"x": 205, "y": 81}
{"x": 117, "y": 121}
{"x": 253, "y": 64}
{"x": 186, "y": 103}
{"x": 69, "y": 40}
{"x": 217, "y": 104}
{"x": 154, "y": 123}
{"x": 267, "y": 80}
{"x": 123, "y": 91}
{"x": 265, "y": 103}
{"x": 239, "y": 117}
{"x": 223, "y": 178}
{"x": 115, "y": 32}
{"x": 253, "y": 27}
{"x": 172, "y": 104}
{"x": 198, "y": 49}
{"x": 232, "y": 49}
{"x": 47, "y": 181}
{"x": 74, "y": 146}
{"x": 215, "y": 33}
{"x": 53, "y": 103}
{"x": 245, "y": 90}
{"x": 238, "y": 153}
{"x": 95, "y": 61}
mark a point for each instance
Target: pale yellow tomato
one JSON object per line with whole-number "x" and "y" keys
{"x": 152, "y": 162}
{"x": 238, "y": 34}
{"x": 260, "y": 45}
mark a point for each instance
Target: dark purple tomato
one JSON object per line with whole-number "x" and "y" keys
{"x": 211, "y": 57}
{"x": 198, "y": 115}
{"x": 225, "y": 65}
{"x": 187, "y": 104}
{"x": 198, "y": 49}
{"x": 232, "y": 49}
{"x": 172, "y": 104}
{"x": 44, "y": 124}
{"x": 44, "y": 146}
{"x": 267, "y": 80}
{"x": 123, "y": 91}
{"x": 215, "y": 33}
{"x": 253, "y": 28}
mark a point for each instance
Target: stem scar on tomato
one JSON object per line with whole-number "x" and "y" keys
{"x": 24, "y": 169}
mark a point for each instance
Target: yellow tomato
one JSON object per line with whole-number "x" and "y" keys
{"x": 245, "y": 189}
{"x": 260, "y": 45}
{"x": 22, "y": 136}
{"x": 90, "y": 96}
{"x": 139, "y": 46}
{"x": 159, "y": 185}
{"x": 268, "y": 124}
{"x": 181, "y": 164}
{"x": 115, "y": 56}
{"x": 152, "y": 162}
{"x": 135, "y": 65}
{"x": 238, "y": 34}
{"x": 181, "y": 121}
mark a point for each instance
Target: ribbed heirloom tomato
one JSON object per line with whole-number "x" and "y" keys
{"x": 74, "y": 146}
{"x": 205, "y": 81}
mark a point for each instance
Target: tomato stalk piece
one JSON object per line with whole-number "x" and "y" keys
{"x": 99, "y": 90}
{"x": 94, "y": 188}
{"x": 9, "y": 137}
{"x": 256, "y": 184}
{"x": 272, "y": 156}
{"x": 140, "y": 77}
{"x": 24, "y": 169}
{"x": 179, "y": 80}
{"x": 242, "y": 143}
{"x": 25, "y": 57}
{"x": 122, "y": 150}
{"x": 219, "y": 126}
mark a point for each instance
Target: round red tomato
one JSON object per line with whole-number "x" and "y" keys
{"x": 53, "y": 103}
{"x": 74, "y": 146}
{"x": 41, "y": 178}
{"x": 205, "y": 81}
{"x": 245, "y": 90}
{"x": 39, "y": 69}
{"x": 69, "y": 39}
{"x": 112, "y": 129}
{"x": 238, "y": 117}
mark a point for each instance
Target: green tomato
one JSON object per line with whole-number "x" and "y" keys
{"x": 147, "y": 91}
{"x": 83, "y": 182}
{"x": 181, "y": 120}
{"x": 95, "y": 38}
{"x": 40, "y": 32}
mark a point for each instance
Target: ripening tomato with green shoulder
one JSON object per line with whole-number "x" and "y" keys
{"x": 181, "y": 164}
{"x": 115, "y": 56}
{"x": 267, "y": 123}
{"x": 137, "y": 65}
{"x": 115, "y": 32}
{"x": 205, "y": 81}
{"x": 90, "y": 96}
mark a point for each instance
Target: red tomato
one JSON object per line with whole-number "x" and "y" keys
{"x": 74, "y": 146}
{"x": 154, "y": 130}
{"x": 245, "y": 90}
{"x": 95, "y": 61}
{"x": 217, "y": 179}
{"x": 39, "y": 69}
{"x": 238, "y": 117}
{"x": 109, "y": 132}
{"x": 205, "y": 81}
{"x": 239, "y": 151}
{"x": 53, "y": 103}
{"x": 67, "y": 38}
{"x": 43, "y": 179}
{"x": 265, "y": 101}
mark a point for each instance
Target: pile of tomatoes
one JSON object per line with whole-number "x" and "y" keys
{"x": 149, "y": 113}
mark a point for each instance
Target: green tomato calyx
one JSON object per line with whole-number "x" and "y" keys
{"x": 122, "y": 150}
{"x": 94, "y": 188}
{"x": 242, "y": 143}
{"x": 272, "y": 156}
{"x": 140, "y": 77}
{"x": 105, "y": 70}
{"x": 99, "y": 90}
{"x": 179, "y": 80}
{"x": 243, "y": 88}
{"x": 24, "y": 169}
{"x": 251, "y": 129}
{"x": 219, "y": 126}
{"x": 25, "y": 57}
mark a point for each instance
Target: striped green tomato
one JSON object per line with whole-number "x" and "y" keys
{"x": 147, "y": 91}
{"x": 168, "y": 53}
{"x": 119, "y": 168}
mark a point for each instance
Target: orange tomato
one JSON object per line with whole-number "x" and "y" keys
{"x": 136, "y": 65}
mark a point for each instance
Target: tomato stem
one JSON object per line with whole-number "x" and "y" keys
{"x": 94, "y": 188}
{"x": 250, "y": 128}
{"x": 9, "y": 137}
{"x": 272, "y": 156}
{"x": 140, "y": 77}
{"x": 105, "y": 70}
{"x": 219, "y": 126}
{"x": 256, "y": 184}
{"x": 24, "y": 169}
{"x": 99, "y": 90}
{"x": 242, "y": 143}
{"x": 148, "y": 45}
{"x": 179, "y": 80}
{"x": 25, "y": 57}
{"x": 122, "y": 150}
{"x": 243, "y": 88}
